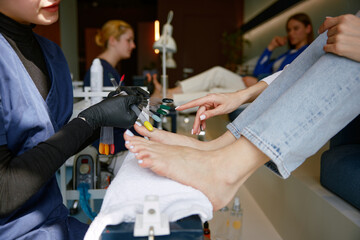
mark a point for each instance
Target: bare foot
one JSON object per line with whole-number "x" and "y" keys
{"x": 158, "y": 88}
{"x": 148, "y": 77}
{"x": 175, "y": 90}
{"x": 218, "y": 174}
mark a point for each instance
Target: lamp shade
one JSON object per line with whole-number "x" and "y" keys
{"x": 166, "y": 40}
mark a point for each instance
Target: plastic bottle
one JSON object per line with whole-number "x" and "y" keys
{"x": 221, "y": 224}
{"x": 96, "y": 79}
{"x": 236, "y": 221}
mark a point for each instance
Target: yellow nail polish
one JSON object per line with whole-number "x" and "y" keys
{"x": 148, "y": 126}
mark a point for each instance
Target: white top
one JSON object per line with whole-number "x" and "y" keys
{"x": 272, "y": 77}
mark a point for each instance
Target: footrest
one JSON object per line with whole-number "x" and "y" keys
{"x": 189, "y": 228}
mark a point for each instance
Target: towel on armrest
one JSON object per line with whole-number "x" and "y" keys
{"x": 126, "y": 194}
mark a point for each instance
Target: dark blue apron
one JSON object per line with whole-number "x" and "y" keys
{"x": 25, "y": 120}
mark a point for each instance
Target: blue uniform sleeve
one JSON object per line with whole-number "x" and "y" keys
{"x": 87, "y": 78}
{"x": 264, "y": 64}
{"x": 3, "y": 140}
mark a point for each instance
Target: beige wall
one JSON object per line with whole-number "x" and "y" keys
{"x": 69, "y": 37}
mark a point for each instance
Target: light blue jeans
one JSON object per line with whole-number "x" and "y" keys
{"x": 312, "y": 99}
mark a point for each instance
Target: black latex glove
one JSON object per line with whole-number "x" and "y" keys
{"x": 113, "y": 112}
{"x": 133, "y": 91}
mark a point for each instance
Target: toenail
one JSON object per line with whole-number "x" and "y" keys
{"x": 128, "y": 132}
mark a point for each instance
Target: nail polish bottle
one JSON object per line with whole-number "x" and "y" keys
{"x": 235, "y": 221}
{"x": 207, "y": 234}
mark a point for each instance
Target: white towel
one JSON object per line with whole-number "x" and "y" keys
{"x": 125, "y": 197}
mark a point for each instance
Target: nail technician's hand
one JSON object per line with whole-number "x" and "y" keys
{"x": 112, "y": 112}
{"x": 133, "y": 91}
{"x": 343, "y": 36}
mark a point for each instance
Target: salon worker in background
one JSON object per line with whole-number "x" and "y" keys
{"x": 35, "y": 135}
{"x": 116, "y": 38}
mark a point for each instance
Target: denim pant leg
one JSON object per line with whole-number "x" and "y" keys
{"x": 317, "y": 106}
{"x": 284, "y": 81}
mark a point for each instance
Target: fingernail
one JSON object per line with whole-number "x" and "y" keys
{"x": 202, "y": 117}
{"x": 136, "y": 154}
{"x": 137, "y": 123}
{"x": 328, "y": 17}
{"x": 177, "y": 107}
{"x": 131, "y": 147}
{"x": 192, "y": 131}
{"x": 129, "y": 133}
{"x": 127, "y": 142}
{"x": 140, "y": 161}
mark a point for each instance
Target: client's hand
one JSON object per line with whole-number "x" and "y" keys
{"x": 113, "y": 112}
{"x": 212, "y": 105}
{"x": 343, "y": 36}
{"x": 221, "y": 103}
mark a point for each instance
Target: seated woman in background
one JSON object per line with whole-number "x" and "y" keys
{"x": 116, "y": 37}
{"x": 218, "y": 79}
{"x": 299, "y": 35}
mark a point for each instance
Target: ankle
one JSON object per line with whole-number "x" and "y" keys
{"x": 177, "y": 89}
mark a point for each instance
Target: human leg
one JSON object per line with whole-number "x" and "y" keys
{"x": 157, "y": 93}
{"x": 217, "y": 173}
{"x": 215, "y": 80}
{"x": 215, "y": 77}
{"x": 318, "y": 105}
{"x": 281, "y": 84}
